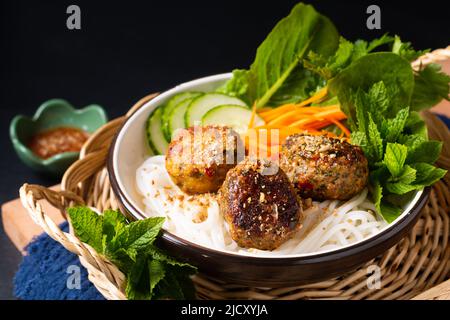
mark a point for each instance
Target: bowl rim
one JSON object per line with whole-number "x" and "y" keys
{"x": 43, "y": 108}
{"x": 408, "y": 216}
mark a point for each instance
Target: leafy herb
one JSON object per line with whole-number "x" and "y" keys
{"x": 277, "y": 74}
{"x": 431, "y": 86}
{"x": 375, "y": 86}
{"x": 395, "y": 73}
{"x": 304, "y": 53}
{"x": 237, "y": 86}
{"x": 399, "y": 153}
{"x": 346, "y": 53}
{"x": 405, "y": 50}
{"x": 151, "y": 274}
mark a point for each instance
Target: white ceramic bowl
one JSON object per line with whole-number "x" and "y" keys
{"x": 130, "y": 149}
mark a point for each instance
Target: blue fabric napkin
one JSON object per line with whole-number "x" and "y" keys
{"x": 50, "y": 272}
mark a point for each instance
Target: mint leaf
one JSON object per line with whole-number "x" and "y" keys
{"x": 113, "y": 222}
{"x": 395, "y": 157}
{"x": 378, "y": 100}
{"x": 88, "y": 226}
{"x": 361, "y": 112}
{"x": 375, "y": 140}
{"x": 157, "y": 254}
{"x": 170, "y": 287}
{"x": 377, "y": 195}
{"x": 138, "y": 235}
{"x": 395, "y": 126}
{"x": 150, "y": 272}
{"x": 425, "y": 151}
{"x": 399, "y": 200}
{"x": 359, "y": 138}
{"x": 431, "y": 86}
{"x": 186, "y": 285}
{"x": 415, "y": 125}
{"x": 379, "y": 175}
{"x": 157, "y": 272}
{"x": 386, "y": 210}
{"x": 400, "y": 187}
{"x": 408, "y": 175}
{"x": 427, "y": 174}
{"x": 390, "y": 212}
{"x": 412, "y": 141}
{"x": 138, "y": 281}
{"x": 123, "y": 258}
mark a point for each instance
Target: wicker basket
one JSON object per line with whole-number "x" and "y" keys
{"x": 419, "y": 262}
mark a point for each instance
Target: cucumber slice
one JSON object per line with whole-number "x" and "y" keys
{"x": 171, "y": 104}
{"x": 176, "y": 117}
{"x": 236, "y": 117}
{"x": 201, "y": 105}
{"x": 155, "y": 136}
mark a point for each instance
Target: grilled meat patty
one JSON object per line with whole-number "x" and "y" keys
{"x": 198, "y": 158}
{"x": 323, "y": 168}
{"x": 260, "y": 205}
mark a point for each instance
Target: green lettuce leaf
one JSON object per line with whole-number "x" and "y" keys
{"x": 278, "y": 60}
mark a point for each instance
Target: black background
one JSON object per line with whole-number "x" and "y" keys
{"x": 127, "y": 49}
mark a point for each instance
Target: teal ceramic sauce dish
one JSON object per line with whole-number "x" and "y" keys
{"x": 51, "y": 114}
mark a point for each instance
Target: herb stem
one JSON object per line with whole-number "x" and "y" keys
{"x": 269, "y": 93}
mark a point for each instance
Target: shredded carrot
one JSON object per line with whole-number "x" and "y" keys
{"x": 289, "y": 119}
{"x": 336, "y": 114}
{"x": 302, "y": 113}
{"x": 342, "y": 127}
{"x": 287, "y": 107}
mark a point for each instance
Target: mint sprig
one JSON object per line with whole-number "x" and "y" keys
{"x": 151, "y": 273}
{"x": 400, "y": 155}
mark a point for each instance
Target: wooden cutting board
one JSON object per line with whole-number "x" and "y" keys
{"x": 19, "y": 226}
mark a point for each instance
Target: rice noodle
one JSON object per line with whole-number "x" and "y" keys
{"x": 342, "y": 223}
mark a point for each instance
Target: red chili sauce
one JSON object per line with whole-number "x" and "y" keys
{"x": 48, "y": 143}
